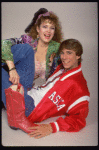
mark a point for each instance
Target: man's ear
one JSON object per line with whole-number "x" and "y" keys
{"x": 78, "y": 57}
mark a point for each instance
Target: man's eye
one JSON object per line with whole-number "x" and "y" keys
{"x": 69, "y": 52}
{"x": 61, "y": 52}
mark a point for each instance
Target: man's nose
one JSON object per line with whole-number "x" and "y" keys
{"x": 65, "y": 56}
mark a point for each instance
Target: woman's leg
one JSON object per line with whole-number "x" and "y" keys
{"x": 23, "y": 55}
{"x": 16, "y": 109}
{"x": 29, "y": 102}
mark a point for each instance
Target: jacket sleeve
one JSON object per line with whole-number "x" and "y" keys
{"x": 74, "y": 121}
{"x": 6, "y": 48}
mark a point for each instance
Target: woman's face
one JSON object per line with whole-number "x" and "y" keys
{"x": 46, "y": 31}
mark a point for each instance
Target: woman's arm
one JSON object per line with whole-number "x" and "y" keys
{"x": 6, "y": 51}
{"x": 14, "y": 77}
{"x": 7, "y": 57}
{"x": 6, "y": 48}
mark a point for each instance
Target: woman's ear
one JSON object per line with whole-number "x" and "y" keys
{"x": 37, "y": 29}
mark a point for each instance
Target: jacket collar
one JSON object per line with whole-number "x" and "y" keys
{"x": 35, "y": 43}
{"x": 70, "y": 72}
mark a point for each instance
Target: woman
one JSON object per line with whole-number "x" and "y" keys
{"x": 44, "y": 36}
{"x": 64, "y": 93}
{"x": 47, "y": 37}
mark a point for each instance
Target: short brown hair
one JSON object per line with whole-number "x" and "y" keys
{"x": 72, "y": 44}
{"x": 58, "y": 36}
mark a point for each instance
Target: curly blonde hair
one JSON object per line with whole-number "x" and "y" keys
{"x": 58, "y": 36}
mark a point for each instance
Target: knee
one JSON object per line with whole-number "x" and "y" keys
{"x": 29, "y": 49}
{"x": 22, "y": 50}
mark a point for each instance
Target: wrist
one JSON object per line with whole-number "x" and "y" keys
{"x": 12, "y": 69}
{"x": 55, "y": 127}
{"x": 10, "y": 64}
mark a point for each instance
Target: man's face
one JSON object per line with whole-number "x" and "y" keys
{"x": 69, "y": 59}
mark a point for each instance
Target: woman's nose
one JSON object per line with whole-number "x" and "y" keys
{"x": 48, "y": 29}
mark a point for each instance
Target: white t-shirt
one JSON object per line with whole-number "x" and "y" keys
{"x": 38, "y": 93}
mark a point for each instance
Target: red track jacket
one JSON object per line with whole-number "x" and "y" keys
{"x": 69, "y": 96}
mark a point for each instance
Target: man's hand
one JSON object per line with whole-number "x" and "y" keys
{"x": 40, "y": 131}
{"x": 52, "y": 57}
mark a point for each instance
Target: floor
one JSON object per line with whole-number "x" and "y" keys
{"x": 86, "y": 137}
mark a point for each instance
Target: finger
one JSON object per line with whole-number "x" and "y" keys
{"x": 39, "y": 136}
{"x": 11, "y": 80}
{"x": 31, "y": 128}
{"x": 16, "y": 81}
{"x": 34, "y": 134}
{"x": 19, "y": 80}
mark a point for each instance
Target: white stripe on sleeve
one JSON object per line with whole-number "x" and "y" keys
{"x": 57, "y": 127}
{"x": 81, "y": 99}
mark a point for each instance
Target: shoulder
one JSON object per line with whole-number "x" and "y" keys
{"x": 54, "y": 44}
{"x": 80, "y": 83}
{"x": 29, "y": 40}
{"x": 26, "y": 38}
{"x": 76, "y": 76}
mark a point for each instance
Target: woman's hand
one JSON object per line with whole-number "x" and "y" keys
{"x": 14, "y": 77}
{"x": 41, "y": 130}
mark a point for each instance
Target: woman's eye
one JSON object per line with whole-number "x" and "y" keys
{"x": 44, "y": 26}
{"x": 53, "y": 28}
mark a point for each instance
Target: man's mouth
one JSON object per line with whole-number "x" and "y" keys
{"x": 64, "y": 62}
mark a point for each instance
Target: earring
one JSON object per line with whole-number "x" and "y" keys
{"x": 37, "y": 36}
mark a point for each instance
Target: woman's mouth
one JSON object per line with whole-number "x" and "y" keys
{"x": 47, "y": 36}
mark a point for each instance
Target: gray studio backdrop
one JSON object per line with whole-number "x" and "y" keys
{"x": 78, "y": 20}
